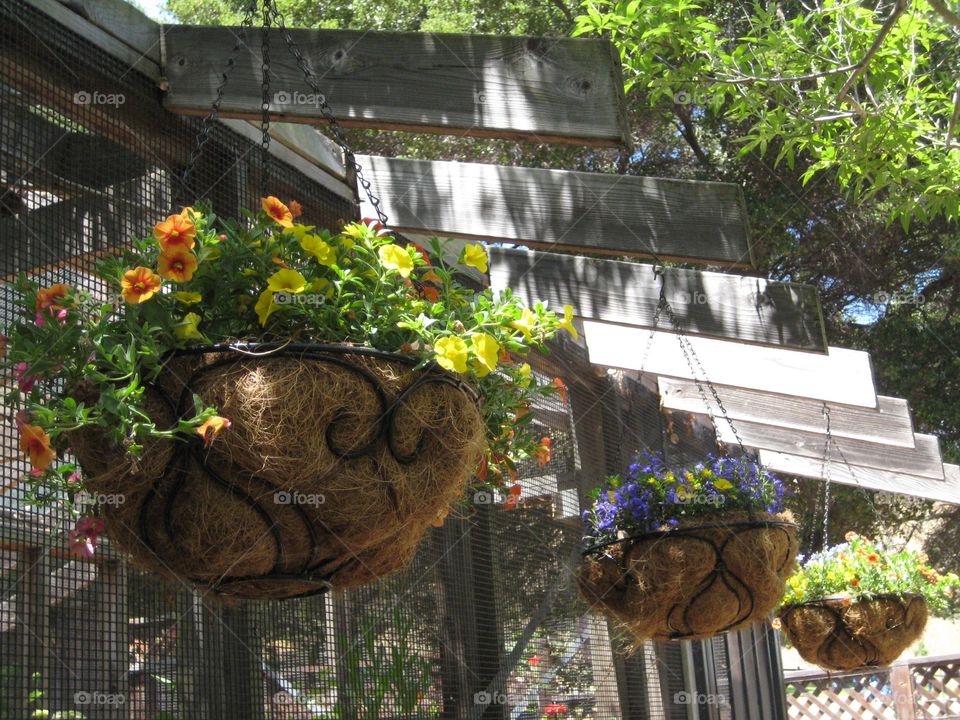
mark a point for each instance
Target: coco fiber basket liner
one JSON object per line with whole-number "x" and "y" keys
{"x": 337, "y": 460}
{"x": 838, "y": 634}
{"x": 693, "y": 581}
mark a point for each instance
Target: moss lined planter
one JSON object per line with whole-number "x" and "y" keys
{"x": 337, "y": 460}
{"x": 838, "y": 634}
{"x": 694, "y": 581}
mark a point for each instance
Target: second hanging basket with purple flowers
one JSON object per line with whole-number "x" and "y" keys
{"x": 688, "y": 553}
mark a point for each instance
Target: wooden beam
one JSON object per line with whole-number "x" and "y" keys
{"x": 108, "y": 42}
{"x": 49, "y": 156}
{"x": 947, "y": 490}
{"x": 124, "y": 21}
{"x": 598, "y": 213}
{"x": 310, "y": 144}
{"x": 710, "y": 304}
{"x": 841, "y": 376}
{"x": 566, "y": 90}
{"x": 889, "y": 423}
{"x": 923, "y": 460}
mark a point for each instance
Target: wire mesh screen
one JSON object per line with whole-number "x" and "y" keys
{"x": 485, "y": 623}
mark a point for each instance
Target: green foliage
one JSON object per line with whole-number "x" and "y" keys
{"x": 385, "y": 669}
{"x": 865, "y": 91}
{"x": 861, "y": 569}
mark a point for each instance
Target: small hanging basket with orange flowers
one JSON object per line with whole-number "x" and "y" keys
{"x": 275, "y": 409}
{"x": 860, "y": 605}
{"x": 687, "y": 554}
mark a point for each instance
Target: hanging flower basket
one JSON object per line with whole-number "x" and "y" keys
{"x": 698, "y": 573}
{"x": 336, "y": 461}
{"x": 839, "y": 634}
{"x": 368, "y": 388}
{"x": 860, "y": 604}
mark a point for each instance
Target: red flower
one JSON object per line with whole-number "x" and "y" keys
{"x": 513, "y": 497}
{"x": 533, "y": 661}
{"x": 83, "y": 538}
{"x": 555, "y": 709}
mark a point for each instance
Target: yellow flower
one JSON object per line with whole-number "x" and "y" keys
{"x": 684, "y": 492}
{"x": 451, "y": 353}
{"x": 265, "y": 306}
{"x": 187, "y": 298}
{"x": 288, "y": 281}
{"x": 487, "y": 352}
{"x": 299, "y": 231}
{"x": 320, "y": 249}
{"x": 211, "y": 428}
{"x": 322, "y": 286}
{"x": 525, "y": 372}
{"x": 187, "y": 329}
{"x": 396, "y": 258}
{"x": 567, "y": 322}
{"x": 723, "y": 484}
{"x": 528, "y": 318}
{"x": 475, "y": 256}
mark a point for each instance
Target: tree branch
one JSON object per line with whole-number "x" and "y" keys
{"x": 946, "y": 13}
{"x": 566, "y": 11}
{"x": 861, "y": 67}
{"x": 954, "y": 119}
{"x": 689, "y": 133}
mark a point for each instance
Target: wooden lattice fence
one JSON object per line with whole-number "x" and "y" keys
{"x": 918, "y": 689}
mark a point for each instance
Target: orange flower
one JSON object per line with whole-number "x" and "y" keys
{"x": 513, "y": 497}
{"x": 47, "y": 297}
{"x": 296, "y": 209}
{"x": 278, "y": 211}
{"x": 542, "y": 452}
{"x": 561, "y": 388}
{"x": 139, "y": 284}
{"x": 855, "y": 582}
{"x": 850, "y": 535}
{"x": 873, "y": 558}
{"x": 177, "y": 232}
{"x": 776, "y": 624}
{"x": 177, "y": 266}
{"x": 441, "y": 516}
{"x": 36, "y": 443}
{"x": 209, "y": 429}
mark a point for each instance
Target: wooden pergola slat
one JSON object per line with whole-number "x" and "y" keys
{"x": 839, "y": 376}
{"x": 946, "y": 490}
{"x": 889, "y": 423}
{"x": 567, "y": 90}
{"x": 923, "y": 460}
{"x": 597, "y": 213}
{"x": 731, "y": 307}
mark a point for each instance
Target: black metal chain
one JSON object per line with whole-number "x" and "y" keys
{"x": 265, "y": 98}
{"x": 825, "y": 471}
{"x": 207, "y": 125}
{"x": 336, "y": 130}
{"x": 697, "y": 370}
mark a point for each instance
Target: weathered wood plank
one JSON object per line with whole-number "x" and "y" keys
{"x": 710, "y": 304}
{"x": 889, "y": 423}
{"x": 312, "y": 145}
{"x": 50, "y": 156}
{"x": 281, "y": 150}
{"x": 134, "y": 59}
{"x": 564, "y": 210}
{"x": 947, "y": 490}
{"x": 841, "y": 376}
{"x": 124, "y": 21}
{"x": 542, "y": 89}
{"x": 924, "y": 459}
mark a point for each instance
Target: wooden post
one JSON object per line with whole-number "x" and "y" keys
{"x": 245, "y": 698}
{"x": 33, "y": 628}
{"x": 901, "y": 683}
{"x": 109, "y": 651}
